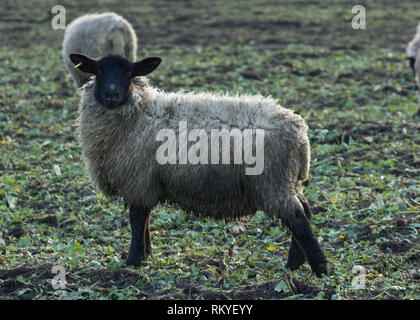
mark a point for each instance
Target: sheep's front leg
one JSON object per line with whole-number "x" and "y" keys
{"x": 140, "y": 246}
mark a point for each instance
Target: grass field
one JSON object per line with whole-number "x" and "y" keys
{"x": 353, "y": 87}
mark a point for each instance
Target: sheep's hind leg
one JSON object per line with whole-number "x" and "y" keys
{"x": 300, "y": 226}
{"x": 296, "y": 255}
{"x": 140, "y": 237}
{"x": 147, "y": 237}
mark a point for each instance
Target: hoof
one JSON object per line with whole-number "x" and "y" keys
{"x": 134, "y": 261}
{"x": 320, "y": 269}
{"x": 293, "y": 265}
{"x": 148, "y": 252}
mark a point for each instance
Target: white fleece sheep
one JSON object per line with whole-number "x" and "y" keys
{"x": 97, "y": 35}
{"x": 413, "y": 46}
{"x": 119, "y": 147}
{"x": 413, "y": 52}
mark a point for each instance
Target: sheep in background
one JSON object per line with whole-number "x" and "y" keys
{"x": 413, "y": 52}
{"x": 120, "y": 117}
{"x": 97, "y": 35}
{"x": 413, "y": 48}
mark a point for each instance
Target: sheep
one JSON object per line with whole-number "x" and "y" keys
{"x": 413, "y": 53}
{"x": 413, "y": 48}
{"x": 121, "y": 118}
{"x": 97, "y": 35}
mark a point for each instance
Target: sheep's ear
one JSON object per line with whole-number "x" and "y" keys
{"x": 145, "y": 66}
{"x": 83, "y": 63}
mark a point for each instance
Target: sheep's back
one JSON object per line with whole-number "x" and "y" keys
{"x": 120, "y": 150}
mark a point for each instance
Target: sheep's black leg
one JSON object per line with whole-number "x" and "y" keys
{"x": 140, "y": 238}
{"x": 306, "y": 208}
{"x": 296, "y": 255}
{"x": 147, "y": 237}
{"x": 412, "y": 64}
{"x": 301, "y": 230}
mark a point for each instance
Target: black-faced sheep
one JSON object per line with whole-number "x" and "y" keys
{"x": 97, "y": 35}
{"x": 121, "y": 118}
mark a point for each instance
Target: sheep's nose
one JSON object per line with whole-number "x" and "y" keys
{"x": 112, "y": 92}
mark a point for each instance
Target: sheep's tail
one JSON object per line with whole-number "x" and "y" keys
{"x": 304, "y": 152}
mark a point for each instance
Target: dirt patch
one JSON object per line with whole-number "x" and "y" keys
{"x": 263, "y": 291}
{"x": 41, "y": 275}
{"x": 368, "y": 233}
{"x": 17, "y": 231}
{"x": 409, "y": 159}
{"x": 357, "y": 131}
{"x": 49, "y": 219}
{"x": 121, "y": 278}
{"x": 394, "y": 238}
{"x": 42, "y": 272}
{"x": 11, "y": 285}
{"x": 266, "y": 291}
{"x": 397, "y": 246}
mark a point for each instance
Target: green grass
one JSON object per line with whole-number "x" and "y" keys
{"x": 354, "y": 89}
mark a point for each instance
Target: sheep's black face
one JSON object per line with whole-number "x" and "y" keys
{"x": 113, "y": 76}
